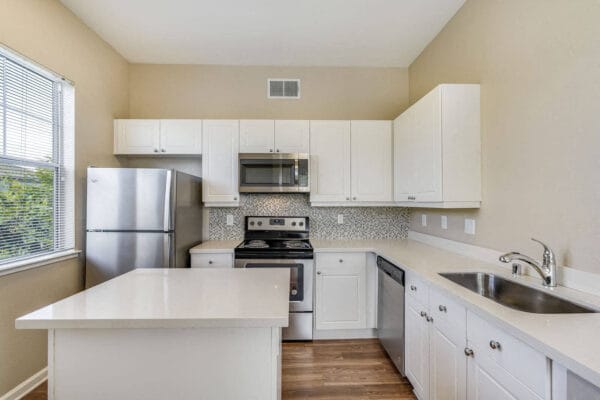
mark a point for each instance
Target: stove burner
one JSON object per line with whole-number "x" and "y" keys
{"x": 256, "y": 244}
{"x": 295, "y": 244}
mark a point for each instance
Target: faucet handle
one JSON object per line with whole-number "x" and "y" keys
{"x": 548, "y": 253}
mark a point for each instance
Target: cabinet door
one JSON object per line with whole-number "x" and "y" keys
{"x": 341, "y": 295}
{"x": 330, "y": 161}
{"x": 417, "y": 348}
{"x": 488, "y": 381}
{"x": 371, "y": 160}
{"x": 418, "y": 151}
{"x": 257, "y": 136}
{"x": 220, "y": 141}
{"x": 291, "y": 136}
{"x": 137, "y": 136}
{"x": 181, "y": 136}
{"x": 448, "y": 363}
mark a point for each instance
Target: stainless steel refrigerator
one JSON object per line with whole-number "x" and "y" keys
{"x": 140, "y": 218}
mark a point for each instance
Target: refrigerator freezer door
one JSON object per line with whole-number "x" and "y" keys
{"x": 134, "y": 199}
{"x": 109, "y": 254}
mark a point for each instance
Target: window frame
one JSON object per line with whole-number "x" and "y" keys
{"x": 63, "y": 196}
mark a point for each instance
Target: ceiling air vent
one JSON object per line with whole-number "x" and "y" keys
{"x": 283, "y": 88}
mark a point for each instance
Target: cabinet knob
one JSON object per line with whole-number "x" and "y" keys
{"x": 469, "y": 352}
{"x": 318, "y": 272}
{"x": 495, "y": 345}
{"x": 354, "y": 198}
{"x": 423, "y": 314}
{"x": 270, "y": 150}
{"x": 210, "y": 261}
{"x": 163, "y": 150}
{"x": 278, "y": 150}
{"x": 413, "y": 288}
{"x": 235, "y": 198}
{"x": 442, "y": 308}
{"x": 429, "y": 319}
{"x": 412, "y": 197}
{"x": 156, "y": 150}
{"x": 347, "y": 198}
{"x": 341, "y": 260}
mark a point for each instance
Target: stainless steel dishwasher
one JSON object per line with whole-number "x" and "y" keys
{"x": 390, "y": 311}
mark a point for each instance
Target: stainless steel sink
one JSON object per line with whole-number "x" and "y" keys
{"x": 514, "y": 295}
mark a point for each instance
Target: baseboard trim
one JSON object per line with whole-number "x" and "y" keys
{"x": 329, "y": 334}
{"x": 26, "y": 386}
{"x": 568, "y": 277}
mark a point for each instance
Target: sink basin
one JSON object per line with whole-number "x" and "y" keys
{"x": 514, "y": 295}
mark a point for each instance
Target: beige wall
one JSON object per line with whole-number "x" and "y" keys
{"x": 538, "y": 62}
{"x": 201, "y": 91}
{"x": 62, "y": 43}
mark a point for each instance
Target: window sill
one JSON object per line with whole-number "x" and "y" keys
{"x": 36, "y": 262}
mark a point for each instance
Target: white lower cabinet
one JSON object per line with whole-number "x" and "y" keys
{"x": 453, "y": 354}
{"x": 341, "y": 291}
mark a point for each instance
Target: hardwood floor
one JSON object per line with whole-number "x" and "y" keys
{"x": 329, "y": 370}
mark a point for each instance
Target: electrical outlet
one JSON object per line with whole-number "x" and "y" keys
{"x": 340, "y": 218}
{"x": 469, "y": 226}
{"x": 444, "y": 222}
{"x": 229, "y": 219}
{"x": 423, "y": 219}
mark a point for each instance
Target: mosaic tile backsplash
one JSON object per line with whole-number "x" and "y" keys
{"x": 359, "y": 222}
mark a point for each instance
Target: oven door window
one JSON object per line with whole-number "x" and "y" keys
{"x": 296, "y": 277}
{"x": 267, "y": 173}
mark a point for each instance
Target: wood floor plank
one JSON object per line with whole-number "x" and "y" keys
{"x": 357, "y": 369}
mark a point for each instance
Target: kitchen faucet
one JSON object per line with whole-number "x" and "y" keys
{"x": 547, "y": 269}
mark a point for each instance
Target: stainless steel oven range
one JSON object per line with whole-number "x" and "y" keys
{"x": 282, "y": 242}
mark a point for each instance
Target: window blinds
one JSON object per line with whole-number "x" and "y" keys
{"x": 36, "y": 163}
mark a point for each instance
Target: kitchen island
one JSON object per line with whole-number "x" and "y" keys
{"x": 168, "y": 334}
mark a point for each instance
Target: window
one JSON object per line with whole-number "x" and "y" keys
{"x": 36, "y": 160}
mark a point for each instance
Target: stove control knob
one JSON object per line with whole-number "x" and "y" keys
{"x": 294, "y": 292}
{"x": 259, "y": 223}
{"x": 301, "y": 223}
{"x": 251, "y": 223}
{"x": 293, "y": 224}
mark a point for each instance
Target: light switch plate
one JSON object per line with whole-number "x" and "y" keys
{"x": 444, "y": 221}
{"x": 229, "y": 219}
{"x": 469, "y": 226}
{"x": 424, "y": 219}
{"x": 340, "y": 218}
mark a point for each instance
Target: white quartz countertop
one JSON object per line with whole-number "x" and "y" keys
{"x": 173, "y": 298}
{"x": 216, "y": 246}
{"x": 570, "y": 339}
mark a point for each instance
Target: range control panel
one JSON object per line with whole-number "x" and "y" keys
{"x": 277, "y": 223}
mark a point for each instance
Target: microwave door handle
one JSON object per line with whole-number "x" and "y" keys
{"x": 296, "y": 164}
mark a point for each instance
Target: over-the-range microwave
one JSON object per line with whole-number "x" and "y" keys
{"x": 274, "y": 173}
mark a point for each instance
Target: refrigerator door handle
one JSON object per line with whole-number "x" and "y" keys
{"x": 168, "y": 251}
{"x": 168, "y": 212}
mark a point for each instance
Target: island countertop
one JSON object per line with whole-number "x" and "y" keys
{"x": 173, "y": 298}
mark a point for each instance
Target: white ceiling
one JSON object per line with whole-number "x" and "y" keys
{"x": 385, "y": 33}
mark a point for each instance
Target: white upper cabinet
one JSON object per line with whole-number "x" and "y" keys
{"x": 351, "y": 162}
{"x": 371, "y": 160}
{"x": 257, "y": 136}
{"x": 268, "y": 136}
{"x": 137, "y": 136}
{"x": 181, "y": 136}
{"x": 437, "y": 149}
{"x": 330, "y": 161}
{"x": 292, "y": 136}
{"x": 158, "y": 137}
{"x": 220, "y": 141}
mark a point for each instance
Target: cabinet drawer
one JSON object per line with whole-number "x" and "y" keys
{"x": 417, "y": 289}
{"x": 518, "y": 359}
{"x": 447, "y": 313}
{"x": 216, "y": 260}
{"x": 341, "y": 260}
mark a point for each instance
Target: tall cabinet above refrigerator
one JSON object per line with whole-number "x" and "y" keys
{"x": 140, "y": 218}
